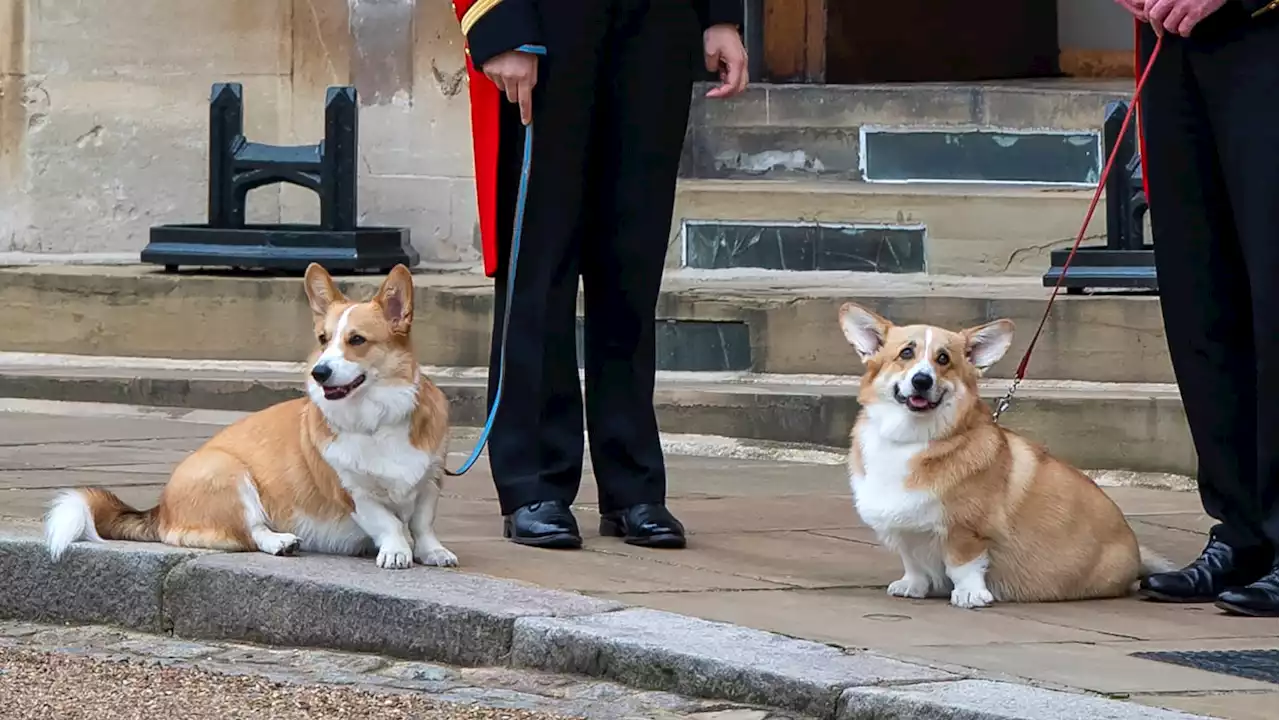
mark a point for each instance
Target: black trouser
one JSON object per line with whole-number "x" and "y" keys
{"x": 610, "y": 111}
{"x": 1210, "y": 122}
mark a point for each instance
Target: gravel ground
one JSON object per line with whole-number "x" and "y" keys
{"x": 47, "y": 686}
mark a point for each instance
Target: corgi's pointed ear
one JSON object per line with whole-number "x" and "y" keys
{"x": 986, "y": 344}
{"x": 395, "y": 297}
{"x": 321, "y": 292}
{"x": 864, "y": 329}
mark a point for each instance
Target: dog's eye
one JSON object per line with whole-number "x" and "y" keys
{"x": 907, "y": 353}
{"x": 355, "y": 340}
{"x": 943, "y": 358}
{"x": 324, "y": 339}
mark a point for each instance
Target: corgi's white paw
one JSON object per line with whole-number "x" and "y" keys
{"x": 273, "y": 543}
{"x": 910, "y": 586}
{"x": 395, "y": 558}
{"x": 438, "y": 556}
{"x": 971, "y": 597}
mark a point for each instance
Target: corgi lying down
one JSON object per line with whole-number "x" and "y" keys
{"x": 972, "y": 508}
{"x": 353, "y": 467}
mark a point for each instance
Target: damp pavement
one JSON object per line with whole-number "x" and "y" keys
{"x": 774, "y": 546}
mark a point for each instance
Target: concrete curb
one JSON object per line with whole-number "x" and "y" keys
{"x": 453, "y": 617}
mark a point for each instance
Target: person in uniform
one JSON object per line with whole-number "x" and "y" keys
{"x": 609, "y": 100}
{"x": 1209, "y": 150}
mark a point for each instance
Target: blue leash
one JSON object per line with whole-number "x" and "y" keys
{"x": 522, "y": 195}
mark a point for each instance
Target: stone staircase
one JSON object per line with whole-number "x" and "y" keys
{"x": 761, "y": 258}
{"x": 978, "y": 180}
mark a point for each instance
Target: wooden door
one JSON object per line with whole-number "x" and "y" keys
{"x": 875, "y": 41}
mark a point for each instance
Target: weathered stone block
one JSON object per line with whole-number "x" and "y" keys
{"x": 157, "y": 38}
{"x": 351, "y": 604}
{"x": 987, "y": 700}
{"x": 664, "y": 651}
{"x": 107, "y": 159}
{"x": 115, "y": 583}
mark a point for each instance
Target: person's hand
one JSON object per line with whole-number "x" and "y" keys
{"x": 722, "y": 46}
{"x": 515, "y": 73}
{"x": 1136, "y": 8}
{"x": 1179, "y": 16}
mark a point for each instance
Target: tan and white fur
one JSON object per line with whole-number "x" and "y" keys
{"x": 974, "y": 510}
{"x": 352, "y": 468}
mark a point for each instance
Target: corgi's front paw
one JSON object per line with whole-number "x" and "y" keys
{"x": 394, "y": 557}
{"x": 910, "y": 586}
{"x": 971, "y": 597}
{"x": 438, "y": 556}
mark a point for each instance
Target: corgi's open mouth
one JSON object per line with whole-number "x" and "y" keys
{"x": 918, "y": 403}
{"x": 338, "y": 392}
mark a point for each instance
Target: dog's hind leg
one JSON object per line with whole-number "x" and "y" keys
{"x": 255, "y": 518}
{"x": 204, "y": 505}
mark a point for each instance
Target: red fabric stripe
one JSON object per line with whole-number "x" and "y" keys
{"x": 1138, "y": 66}
{"x": 486, "y": 103}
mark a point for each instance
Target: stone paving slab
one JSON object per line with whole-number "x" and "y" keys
{"x": 351, "y": 604}
{"x": 986, "y": 700}
{"x": 115, "y": 583}
{"x": 658, "y": 650}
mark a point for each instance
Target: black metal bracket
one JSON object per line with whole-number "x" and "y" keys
{"x": 238, "y": 166}
{"x": 1127, "y": 261}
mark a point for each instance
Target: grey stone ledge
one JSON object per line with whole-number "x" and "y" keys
{"x": 690, "y": 656}
{"x": 351, "y": 604}
{"x": 989, "y": 700}
{"x": 114, "y": 583}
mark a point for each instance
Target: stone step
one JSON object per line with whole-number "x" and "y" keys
{"x": 1037, "y": 131}
{"x": 781, "y": 323}
{"x": 939, "y": 229}
{"x": 1110, "y": 426}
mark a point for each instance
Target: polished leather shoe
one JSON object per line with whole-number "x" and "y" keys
{"x": 646, "y": 525}
{"x": 547, "y": 524}
{"x": 1219, "y": 567}
{"x": 1257, "y": 599}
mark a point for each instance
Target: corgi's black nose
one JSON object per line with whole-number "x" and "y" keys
{"x": 321, "y": 373}
{"x": 921, "y": 381}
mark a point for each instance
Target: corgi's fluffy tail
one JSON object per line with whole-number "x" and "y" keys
{"x": 95, "y": 514}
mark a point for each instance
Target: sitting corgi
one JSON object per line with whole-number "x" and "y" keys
{"x": 354, "y": 466}
{"x": 972, "y": 508}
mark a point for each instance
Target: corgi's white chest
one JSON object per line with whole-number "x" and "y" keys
{"x": 880, "y": 492}
{"x": 383, "y": 463}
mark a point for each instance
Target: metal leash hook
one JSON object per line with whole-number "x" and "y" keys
{"x": 1004, "y": 402}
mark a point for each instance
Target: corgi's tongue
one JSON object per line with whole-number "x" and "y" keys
{"x": 918, "y": 402}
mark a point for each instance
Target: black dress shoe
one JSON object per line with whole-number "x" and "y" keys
{"x": 646, "y": 525}
{"x": 547, "y": 524}
{"x": 1219, "y": 567}
{"x": 1257, "y": 599}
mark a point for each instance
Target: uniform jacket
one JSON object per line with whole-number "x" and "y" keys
{"x": 492, "y": 27}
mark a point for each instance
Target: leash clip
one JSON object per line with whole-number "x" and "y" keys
{"x": 1004, "y": 402}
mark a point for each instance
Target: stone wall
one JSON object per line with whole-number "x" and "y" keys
{"x": 104, "y": 119}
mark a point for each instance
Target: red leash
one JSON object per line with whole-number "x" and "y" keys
{"x": 1004, "y": 402}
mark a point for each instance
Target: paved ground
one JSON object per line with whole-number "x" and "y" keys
{"x": 77, "y": 673}
{"x": 773, "y": 545}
